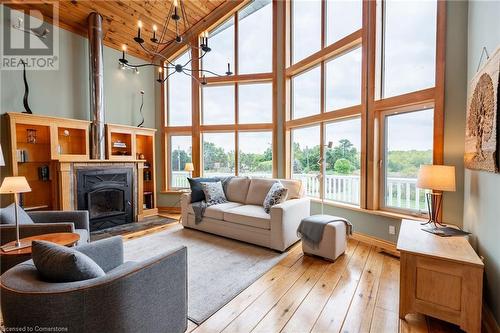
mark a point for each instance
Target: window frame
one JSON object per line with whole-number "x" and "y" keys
{"x": 197, "y": 128}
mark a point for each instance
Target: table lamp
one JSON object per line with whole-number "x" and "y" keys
{"x": 436, "y": 178}
{"x": 189, "y": 167}
{"x": 15, "y": 185}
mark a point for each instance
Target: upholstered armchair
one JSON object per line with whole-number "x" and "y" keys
{"x": 45, "y": 222}
{"x": 148, "y": 296}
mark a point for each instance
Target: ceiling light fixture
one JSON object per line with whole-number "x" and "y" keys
{"x": 177, "y": 13}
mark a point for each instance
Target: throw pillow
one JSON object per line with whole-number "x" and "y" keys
{"x": 59, "y": 263}
{"x": 8, "y": 215}
{"x": 196, "y": 189}
{"x": 276, "y": 195}
{"x": 214, "y": 193}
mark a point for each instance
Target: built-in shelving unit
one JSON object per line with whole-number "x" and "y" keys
{"x": 134, "y": 143}
{"x": 37, "y": 142}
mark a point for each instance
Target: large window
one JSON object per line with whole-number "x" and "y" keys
{"x": 179, "y": 96}
{"x": 218, "y": 105}
{"x": 218, "y": 154}
{"x": 255, "y": 155}
{"x": 409, "y": 46}
{"x": 221, "y": 41}
{"x": 363, "y": 115}
{"x": 306, "y": 93}
{"x": 180, "y": 154}
{"x": 343, "y": 161}
{"x": 343, "y": 81}
{"x": 305, "y": 145}
{"x": 408, "y": 144}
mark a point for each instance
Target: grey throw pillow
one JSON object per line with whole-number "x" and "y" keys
{"x": 59, "y": 263}
{"x": 276, "y": 195}
{"x": 214, "y": 193}
{"x": 8, "y": 215}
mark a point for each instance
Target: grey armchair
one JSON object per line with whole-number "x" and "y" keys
{"x": 46, "y": 222}
{"x": 150, "y": 296}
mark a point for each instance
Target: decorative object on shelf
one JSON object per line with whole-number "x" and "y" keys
{"x": 15, "y": 185}
{"x": 141, "y": 156}
{"x": 43, "y": 173}
{"x": 481, "y": 134}
{"x": 436, "y": 178}
{"x": 140, "y": 109}
{"x": 66, "y": 132}
{"x": 177, "y": 13}
{"x": 21, "y": 155}
{"x": 2, "y": 161}
{"x": 119, "y": 144}
{"x": 31, "y": 135}
{"x": 147, "y": 175}
{"x": 26, "y": 91}
{"x": 189, "y": 167}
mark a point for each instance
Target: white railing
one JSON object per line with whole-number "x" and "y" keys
{"x": 400, "y": 192}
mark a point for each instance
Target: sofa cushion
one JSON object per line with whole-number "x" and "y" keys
{"x": 237, "y": 189}
{"x": 258, "y": 189}
{"x": 216, "y": 211}
{"x": 58, "y": 263}
{"x": 214, "y": 194}
{"x": 294, "y": 187}
{"x": 84, "y": 236}
{"x": 197, "y": 193}
{"x": 8, "y": 215}
{"x": 276, "y": 195}
{"x": 251, "y": 215}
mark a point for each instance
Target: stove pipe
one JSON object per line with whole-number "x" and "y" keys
{"x": 97, "y": 147}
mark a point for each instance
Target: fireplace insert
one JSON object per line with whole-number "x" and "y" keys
{"x": 107, "y": 194}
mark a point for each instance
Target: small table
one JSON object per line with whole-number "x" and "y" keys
{"x": 440, "y": 276}
{"x": 61, "y": 238}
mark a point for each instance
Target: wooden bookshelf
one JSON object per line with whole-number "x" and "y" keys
{"x": 36, "y": 144}
{"x": 139, "y": 145}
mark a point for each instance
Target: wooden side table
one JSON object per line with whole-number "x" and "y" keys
{"x": 61, "y": 238}
{"x": 439, "y": 276}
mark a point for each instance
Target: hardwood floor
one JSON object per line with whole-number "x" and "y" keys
{"x": 357, "y": 293}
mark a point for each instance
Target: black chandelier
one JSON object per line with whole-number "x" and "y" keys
{"x": 177, "y": 13}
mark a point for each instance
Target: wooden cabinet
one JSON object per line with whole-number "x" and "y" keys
{"x": 36, "y": 144}
{"x": 440, "y": 276}
{"x": 134, "y": 143}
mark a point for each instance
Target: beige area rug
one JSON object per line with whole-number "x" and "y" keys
{"x": 218, "y": 268}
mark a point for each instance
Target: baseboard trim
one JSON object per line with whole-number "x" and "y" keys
{"x": 383, "y": 245}
{"x": 169, "y": 210}
{"x": 489, "y": 323}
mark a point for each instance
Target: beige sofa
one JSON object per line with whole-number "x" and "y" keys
{"x": 243, "y": 217}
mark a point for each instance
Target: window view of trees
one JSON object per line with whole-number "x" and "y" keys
{"x": 218, "y": 154}
{"x": 255, "y": 156}
{"x": 409, "y": 144}
{"x": 180, "y": 154}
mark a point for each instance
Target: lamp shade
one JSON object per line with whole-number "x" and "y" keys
{"x": 14, "y": 185}
{"x": 2, "y": 161}
{"x": 436, "y": 177}
{"x": 188, "y": 167}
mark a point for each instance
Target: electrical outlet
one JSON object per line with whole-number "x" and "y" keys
{"x": 392, "y": 230}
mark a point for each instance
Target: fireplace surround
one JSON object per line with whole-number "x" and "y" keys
{"x": 107, "y": 193}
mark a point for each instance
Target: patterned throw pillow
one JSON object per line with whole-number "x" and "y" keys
{"x": 214, "y": 193}
{"x": 276, "y": 195}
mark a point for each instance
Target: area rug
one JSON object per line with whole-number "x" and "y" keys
{"x": 218, "y": 268}
{"x": 152, "y": 223}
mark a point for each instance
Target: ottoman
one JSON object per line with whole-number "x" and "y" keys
{"x": 332, "y": 244}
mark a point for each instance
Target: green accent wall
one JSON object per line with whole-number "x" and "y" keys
{"x": 482, "y": 189}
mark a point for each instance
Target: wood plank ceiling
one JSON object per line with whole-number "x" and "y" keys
{"x": 120, "y": 18}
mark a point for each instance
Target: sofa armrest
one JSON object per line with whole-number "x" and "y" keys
{"x": 107, "y": 253}
{"x": 80, "y": 218}
{"x": 185, "y": 202}
{"x": 8, "y": 231}
{"x": 285, "y": 219}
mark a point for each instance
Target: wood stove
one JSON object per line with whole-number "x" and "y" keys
{"x": 107, "y": 194}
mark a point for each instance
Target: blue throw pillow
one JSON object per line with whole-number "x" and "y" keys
{"x": 197, "y": 193}
{"x": 8, "y": 215}
{"x": 58, "y": 263}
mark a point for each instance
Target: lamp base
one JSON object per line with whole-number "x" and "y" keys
{"x": 16, "y": 246}
{"x": 434, "y": 205}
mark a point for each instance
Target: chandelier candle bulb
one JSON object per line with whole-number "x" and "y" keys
{"x": 154, "y": 40}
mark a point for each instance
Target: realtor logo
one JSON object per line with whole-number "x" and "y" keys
{"x": 27, "y": 36}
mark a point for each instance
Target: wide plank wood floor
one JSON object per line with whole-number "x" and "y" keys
{"x": 357, "y": 293}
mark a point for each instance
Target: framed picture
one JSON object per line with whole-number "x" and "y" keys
{"x": 482, "y": 126}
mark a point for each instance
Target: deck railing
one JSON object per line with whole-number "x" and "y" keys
{"x": 400, "y": 192}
